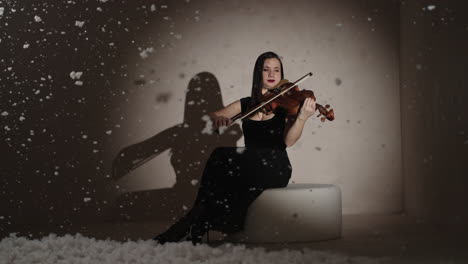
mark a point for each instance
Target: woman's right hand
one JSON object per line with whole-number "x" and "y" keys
{"x": 219, "y": 121}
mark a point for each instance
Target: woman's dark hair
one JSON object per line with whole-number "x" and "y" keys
{"x": 257, "y": 83}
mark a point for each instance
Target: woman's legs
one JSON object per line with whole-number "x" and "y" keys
{"x": 193, "y": 224}
{"x": 200, "y": 226}
{"x": 220, "y": 177}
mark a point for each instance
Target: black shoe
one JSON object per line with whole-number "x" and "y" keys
{"x": 172, "y": 236}
{"x": 182, "y": 228}
{"x": 198, "y": 230}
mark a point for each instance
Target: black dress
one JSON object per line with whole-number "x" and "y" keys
{"x": 235, "y": 176}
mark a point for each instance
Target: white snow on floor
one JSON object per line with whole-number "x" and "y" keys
{"x": 80, "y": 249}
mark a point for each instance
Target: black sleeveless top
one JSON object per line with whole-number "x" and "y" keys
{"x": 267, "y": 133}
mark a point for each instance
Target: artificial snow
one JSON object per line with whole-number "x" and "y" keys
{"x": 79, "y": 23}
{"x": 208, "y": 129}
{"x": 75, "y": 75}
{"x": 145, "y": 52}
{"x": 80, "y": 249}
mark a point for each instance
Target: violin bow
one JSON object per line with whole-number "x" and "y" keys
{"x": 240, "y": 116}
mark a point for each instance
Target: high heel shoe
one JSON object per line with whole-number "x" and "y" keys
{"x": 175, "y": 233}
{"x": 199, "y": 228}
{"x": 182, "y": 228}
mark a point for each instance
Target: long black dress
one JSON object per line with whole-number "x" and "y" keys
{"x": 235, "y": 176}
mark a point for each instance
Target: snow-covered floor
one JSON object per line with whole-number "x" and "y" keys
{"x": 366, "y": 239}
{"x": 80, "y": 249}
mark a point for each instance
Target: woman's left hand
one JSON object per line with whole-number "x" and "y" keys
{"x": 307, "y": 109}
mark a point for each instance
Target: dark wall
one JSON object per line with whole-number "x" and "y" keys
{"x": 55, "y": 131}
{"x": 434, "y": 109}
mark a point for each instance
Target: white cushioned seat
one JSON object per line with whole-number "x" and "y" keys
{"x": 296, "y": 213}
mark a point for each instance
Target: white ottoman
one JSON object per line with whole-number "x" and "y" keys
{"x": 296, "y": 213}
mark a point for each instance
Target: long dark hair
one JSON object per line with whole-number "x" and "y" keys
{"x": 257, "y": 83}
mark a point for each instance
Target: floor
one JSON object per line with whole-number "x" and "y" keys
{"x": 394, "y": 238}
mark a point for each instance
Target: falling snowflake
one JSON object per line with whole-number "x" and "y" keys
{"x": 37, "y": 19}
{"x": 431, "y": 7}
{"x": 86, "y": 199}
{"x": 75, "y": 75}
{"x": 79, "y": 23}
{"x": 194, "y": 182}
{"x": 208, "y": 129}
{"x": 145, "y": 52}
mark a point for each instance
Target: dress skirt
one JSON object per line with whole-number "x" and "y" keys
{"x": 234, "y": 177}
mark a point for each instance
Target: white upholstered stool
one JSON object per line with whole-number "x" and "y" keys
{"x": 296, "y": 213}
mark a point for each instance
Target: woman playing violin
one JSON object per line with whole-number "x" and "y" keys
{"x": 235, "y": 176}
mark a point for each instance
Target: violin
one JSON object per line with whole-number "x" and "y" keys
{"x": 283, "y": 95}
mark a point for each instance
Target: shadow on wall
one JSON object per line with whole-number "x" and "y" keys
{"x": 190, "y": 144}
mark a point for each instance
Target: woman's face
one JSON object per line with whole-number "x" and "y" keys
{"x": 271, "y": 73}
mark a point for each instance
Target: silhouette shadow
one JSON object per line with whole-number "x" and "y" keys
{"x": 190, "y": 144}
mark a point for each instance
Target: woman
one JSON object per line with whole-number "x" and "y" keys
{"x": 234, "y": 177}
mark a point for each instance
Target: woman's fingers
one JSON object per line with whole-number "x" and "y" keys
{"x": 311, "y": 104}
{"x": 222, "y": 121}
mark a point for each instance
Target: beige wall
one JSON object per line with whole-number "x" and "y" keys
{"x": 353, "y": 53}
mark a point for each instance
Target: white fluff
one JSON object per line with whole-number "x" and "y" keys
{"x": 80, "y": 249}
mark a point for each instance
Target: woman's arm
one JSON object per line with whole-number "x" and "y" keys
{"x": 294, "y": 126}
{"x": 222, "y": 117}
